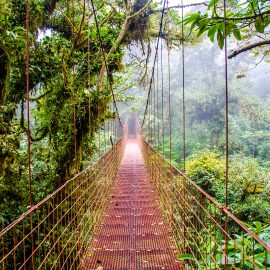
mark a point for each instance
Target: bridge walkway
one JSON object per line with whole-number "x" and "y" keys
{"x": 133, "y": 234}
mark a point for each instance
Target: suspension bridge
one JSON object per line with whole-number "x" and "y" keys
{"x": 132, "y": 209}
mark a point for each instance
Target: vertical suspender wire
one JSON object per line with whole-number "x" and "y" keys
{"x": 105, "y": 128}
{"x": 156, "y": 114}
{"x": 151, "y": 117}
{"x": 110, "y": 129}
{"x": 104, "y": 123}
{"x": 74, "y": 95}
{"x": 148, "y": 124}
{"x": 162, "y": 99}
{"x": 170, "y": 123}
{"x": 151, "y": 111}
{"x": 154, "y": 111}
{"x": 183, "y": 125}
{"x": 169, "y": 99}
{"x": 157, "y": 99}
{"x": 115, "y": 136}
{"x": 106, "y": 64}
{"x": 69, "y": 217}
{"x": 107, "y": 70}
{"x": 107, "y": 139}
{"x": 28, "y": 106}
{"x": 98, "y": 112}
{"x": 226, "y": 102}
{"x": 154, "y": 122}
{"x": 227, "y": 130}
{"x": 28, "y": 129}
{"x": 153, "y": 69}
{"x": 183, "y": 90}
{"x": 170, "y": 128}
{"x": 113, "y": 127}
{"x": 89, "y": 71}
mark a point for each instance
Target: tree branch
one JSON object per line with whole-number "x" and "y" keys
{"x": 141, "y": 10}
{"x": 105, "y": 20}
{"x": 111, "y": 51}
{"x": 78, "y": 36}
{"x": 248, "y": 47}
{"x": 120, "y": 37}
{"x": 179, "y": 6}
{"x": 241, "y": 18}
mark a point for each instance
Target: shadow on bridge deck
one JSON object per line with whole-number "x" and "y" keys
{"x": 133, "y": 233}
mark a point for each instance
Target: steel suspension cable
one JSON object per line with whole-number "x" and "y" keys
{"x": 74, "y": 94}
{"x": 155, "y": 58}
{"x": 104, "y": 122}
{"x": 110, "y": 129}
{"x": 226, "y": 130}
{"x": 165, "y": 23}
{"x": 158, "y": 124}
{"x": 170, "y": 121}
{"x": 148, "y": 126}
{"x": 99, "y": 137}
{"x": 28, "y": 106}
{"x": 183, "y": 124}
{"x": 151, "y": 118}
{"x": 27, "y": 69}
{"x": 183, "y": 90}
{"x": 169, "y": 101}
{"x": 89, "y": 69}
{"x": 154, "y": 109}
{"x": 106, "y": 64}
{"x": 226, "y": 101}
{"x": 89, "y": 85}
{"x": 162, "y": 98}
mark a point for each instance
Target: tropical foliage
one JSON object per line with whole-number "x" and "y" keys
{"x": 70, "y": 89}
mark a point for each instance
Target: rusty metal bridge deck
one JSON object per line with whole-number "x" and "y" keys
{"x": 133, "y": 233}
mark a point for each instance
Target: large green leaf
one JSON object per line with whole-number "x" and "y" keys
{"x": 237, "y": 34}
{"x": 220, "y": 39}
{"x": 186, "y": 257}
{"x": 212, "y": 31}
{"x": 259, "y": 26}
{"x": 212, "y": 3}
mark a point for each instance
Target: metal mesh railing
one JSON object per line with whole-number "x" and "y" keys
{"x": 207, "y": 235}
{"x": 55, "y": 233}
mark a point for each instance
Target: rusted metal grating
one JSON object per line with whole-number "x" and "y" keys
{"x": 133, "y": 234}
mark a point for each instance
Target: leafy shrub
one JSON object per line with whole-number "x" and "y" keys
{"x": 206, "y": 170}
{"x": 249, "y": 188}
{"x": 243, "y": 252}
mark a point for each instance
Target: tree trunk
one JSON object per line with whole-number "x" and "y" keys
{"x": 3, "y": 74}
{"x": 112, "y": 50}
